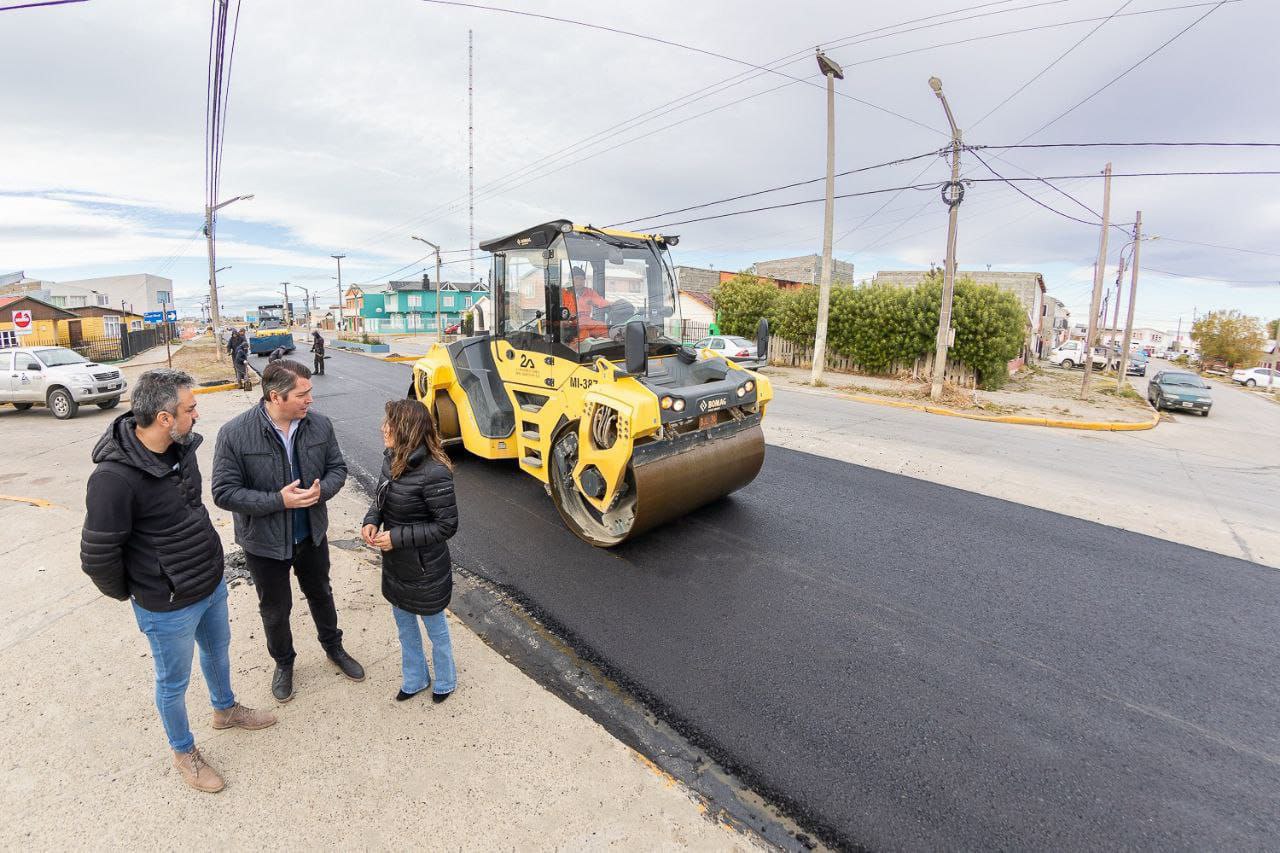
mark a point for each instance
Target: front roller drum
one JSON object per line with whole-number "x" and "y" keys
{"x": 661, "y": 484}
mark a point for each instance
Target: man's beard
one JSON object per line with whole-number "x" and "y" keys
{"x": 183, "y": 438}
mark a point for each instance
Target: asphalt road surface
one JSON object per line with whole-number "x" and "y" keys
{"x": 903, "y": 664}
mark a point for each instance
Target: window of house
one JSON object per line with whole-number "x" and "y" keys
{"x": 8, "y": 338}
{"x": 415, "y": 321}
{"x": 111, "y": 326}
{"x": 135, "y": 325}
{"x": 104, "y": 300}
{"x": 162, "y": 296}
{"x": 60, "y": 301}
{"x": 79, "y": 301}
{"x": 448, "y": 301}
{"x": 415, "y": 300}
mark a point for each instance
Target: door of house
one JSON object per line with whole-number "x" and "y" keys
{"x": 75, "y": 333}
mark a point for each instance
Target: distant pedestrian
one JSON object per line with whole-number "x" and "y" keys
{"x": 317, "y": 347}
{"x": 260, "y": 462}
{"x": 148, "y": 537}
{"x": 237, "y": 336}
{"x": 240, "y": 359}
{"x": 412, "y": 517}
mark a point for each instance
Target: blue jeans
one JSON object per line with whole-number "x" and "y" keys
{"x": 173, "y": 636}
{"x": 413, "y": 662}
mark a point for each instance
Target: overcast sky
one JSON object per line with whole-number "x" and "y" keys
{"x": 348, "y": 122}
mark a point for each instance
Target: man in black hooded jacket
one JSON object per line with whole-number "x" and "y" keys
{"x": 148, "y": 537}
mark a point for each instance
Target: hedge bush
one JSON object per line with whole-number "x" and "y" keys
{"x": 879, "y": 325}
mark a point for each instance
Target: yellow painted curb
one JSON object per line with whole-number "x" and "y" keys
{"x": 402, "y": 358}
{"x": 40, "y": 502}
{"x": 1105, "y": 426}
{"x": 212, "y": 389}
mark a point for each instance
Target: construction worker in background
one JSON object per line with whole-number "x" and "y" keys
{"x": 317, "y": 347}
{"x": 576, "y": 311}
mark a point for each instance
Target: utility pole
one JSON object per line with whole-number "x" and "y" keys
{"x": 439, "y": 329}
{"x": 1115, "y": 322}
{"x": 1098, "y": 272}
{"x": 1133, "y": 294}
{"x": 955, "y": 194}
{"x": 832, "y": 71}
{"x": 288, "y": 314}
{"x": 306, "y": 300}
{"x": 210, "y": 219}
{"x": 338, "y": 315}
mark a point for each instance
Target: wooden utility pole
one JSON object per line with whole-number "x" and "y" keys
{"x": 1098, "y": 271}
{"x": 954, "y": 194}
{"x": 1115, "y": 321}
{"x": 1133, "y": 294}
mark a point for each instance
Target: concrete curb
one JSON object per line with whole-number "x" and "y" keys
{"x": 402, "y": 358}
{"x": 213, "y": 389}
{"x": 1105, "y": 426}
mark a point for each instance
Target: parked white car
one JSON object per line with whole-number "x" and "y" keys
{"x": 1259, "y": 376}
{"x": 1070, "y": 354}
{"x": 60, "y": 378}
{"x": 738, "y": 350}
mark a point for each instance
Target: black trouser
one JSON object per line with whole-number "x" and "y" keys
{"x": 241, "y": 367}
{"x": 318, "y": 370}
{"x": 275, "y": 597}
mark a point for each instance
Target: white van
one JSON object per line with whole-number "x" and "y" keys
{"x": 60, "y": 378}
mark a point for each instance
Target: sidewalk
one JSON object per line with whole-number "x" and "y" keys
{"x": 1044, "y": 393}
{"x": 501, "y": 765}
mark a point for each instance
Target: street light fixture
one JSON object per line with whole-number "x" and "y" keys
{"x": 439, "y": 328}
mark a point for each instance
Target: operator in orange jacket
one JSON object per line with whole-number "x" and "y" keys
{"x": 576, "y": 305}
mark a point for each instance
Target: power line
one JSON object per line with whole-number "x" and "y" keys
{"x": 1129, "y": 145}
{"x": 1166, "y": 239}
{"x": 1048, "y": 67}
{"x": 1123, "y": 74}
{"x": 676, "y": 44}
{"x": 1189, "y": 173}
{"x": 1212, "y": 278}
{"x": 1027, "y": 195}
{"x": 42, "y": 3}
{"x": 932, "y": 186}
{"x": 777, "y": 189}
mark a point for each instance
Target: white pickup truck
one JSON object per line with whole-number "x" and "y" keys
{"x": 1070, "y": 354}
{"x": 60, "y": 378}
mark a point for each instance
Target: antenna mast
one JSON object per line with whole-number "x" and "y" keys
{"x": 471, "y": 163}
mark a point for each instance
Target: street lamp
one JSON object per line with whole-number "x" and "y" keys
{"x": 439, "y": 328}
{"x": 209, "y": 219}
{"x": 953, "y": 198}
{"x": 338, "y": 317}
{"x": 832, "y": 71}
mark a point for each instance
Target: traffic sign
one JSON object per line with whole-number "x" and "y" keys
{"x": 171, "y": 316}
{"x": 153, "y": 317}
{"x": 22, "y": 322}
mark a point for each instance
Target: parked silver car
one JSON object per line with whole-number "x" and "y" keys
{"x": 738, "y": 350}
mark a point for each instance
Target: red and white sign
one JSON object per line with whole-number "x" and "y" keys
{"x": 22, "y": 322}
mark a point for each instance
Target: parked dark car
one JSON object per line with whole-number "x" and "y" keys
{"x": 1137, "y": 364}
{"x": 1179, "y": 391}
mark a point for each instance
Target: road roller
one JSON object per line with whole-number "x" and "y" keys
{"x": 582, "y": 378}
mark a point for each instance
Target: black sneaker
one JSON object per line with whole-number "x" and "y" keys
{"x": 350, "y": 667}
{"x": 282, "y": 683}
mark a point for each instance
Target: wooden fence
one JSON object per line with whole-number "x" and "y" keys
{"x": 788, "y": 354}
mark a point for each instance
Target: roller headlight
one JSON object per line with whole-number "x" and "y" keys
{"x": 742, "y": 390}
{"x": 749, "y": 385}
{"x": 666, "y": 402}
{"x": 678, "y": 405}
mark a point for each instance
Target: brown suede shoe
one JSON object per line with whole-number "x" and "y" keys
{"x": 240, "y": 717}
{"x": 196, "y": 773}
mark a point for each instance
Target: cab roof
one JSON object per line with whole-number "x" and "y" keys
{"x": 541, "y": 236}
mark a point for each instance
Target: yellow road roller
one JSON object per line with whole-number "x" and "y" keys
{"x": 582, "y": 378}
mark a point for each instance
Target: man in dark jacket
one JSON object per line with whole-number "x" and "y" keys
{"x": 240, "y": 359}
{"x": 261, "y": 462}
{"x": 317, "y": 347}
{"x": 147, "y": 536}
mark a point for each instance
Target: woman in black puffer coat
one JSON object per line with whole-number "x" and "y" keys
{"x": 411, "y": 520}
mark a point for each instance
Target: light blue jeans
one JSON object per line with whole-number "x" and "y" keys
{"x": 173, "y": 636}
{"x": 413, "y": 661}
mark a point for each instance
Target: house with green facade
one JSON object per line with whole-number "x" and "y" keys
{"x": 409, "y": 307}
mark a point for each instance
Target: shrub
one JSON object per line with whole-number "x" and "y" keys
{"x": 741, "y": 302}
